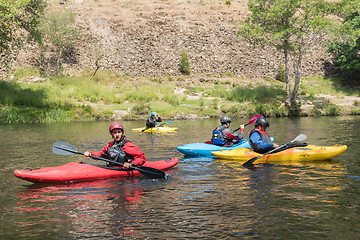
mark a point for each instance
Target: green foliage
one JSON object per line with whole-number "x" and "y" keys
{"x": 355, "y": 112}
{"x": 288, "y": 25}
{"x": 326, "y": 85}
{"x": 131, "y": 117}
{"x": 332, "y": 110}
{"x": 346, "y": 54}
{"x": 13, "y": 94}
{"x": 280, "y": 72}
{"x": 184, "y": 66}
{"x": 19, "y": 23}
{"x": 141, "y": 109}
{"x": 60, "y": 35}
{"x": 32, "y": 115}
{"x": 261, "y": 94}
{"x": 172, "y": 99}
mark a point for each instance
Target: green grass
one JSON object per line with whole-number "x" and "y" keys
{"x": 326, "y": 85}
{"x": 81, "y": 97}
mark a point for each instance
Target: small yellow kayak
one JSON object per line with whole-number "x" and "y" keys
{"x": 306, "y": 153}
{"x": 156, "y": 129}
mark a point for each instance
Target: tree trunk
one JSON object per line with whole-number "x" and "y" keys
{"x": 287, "y": 78}
{"x": 293, "y": 103}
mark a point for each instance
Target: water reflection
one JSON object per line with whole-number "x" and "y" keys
{"x": 205, "y": 198}
{"x": 91, "y": 209}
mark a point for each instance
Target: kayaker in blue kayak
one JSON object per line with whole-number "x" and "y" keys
{"x": 224, "y": 136}
{"x": 153, "y": 120}
{"x": 120, "y": 150}
{"x": 259, "y": 140}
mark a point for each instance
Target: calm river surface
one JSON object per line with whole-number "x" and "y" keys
{"x": 204, "y": 198}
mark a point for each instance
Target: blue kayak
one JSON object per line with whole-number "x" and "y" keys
{"x": 205, "y": 149}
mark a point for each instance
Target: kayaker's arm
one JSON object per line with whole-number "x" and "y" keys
{"x": 100, "y": 153}
{"x": 134, "y": 152}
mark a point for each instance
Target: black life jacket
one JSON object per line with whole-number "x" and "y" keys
{"x": 218, "y": 137}
{"x": 263, "y": 136}
{"x": 116, "y": 153}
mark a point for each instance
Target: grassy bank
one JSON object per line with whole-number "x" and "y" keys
{"x": 30, "y": 97}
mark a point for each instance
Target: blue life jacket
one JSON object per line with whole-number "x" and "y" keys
{"x": 218, "y": 137}
{"x": 264, "y": 136}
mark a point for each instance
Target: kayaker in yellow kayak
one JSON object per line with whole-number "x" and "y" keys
{"x": 224, "y": 136}
{"x": 153, "y": 120}
{"x": 120, "y": 150}
{"x": 259, "y": 140}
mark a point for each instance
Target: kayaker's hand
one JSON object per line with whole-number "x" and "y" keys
{"x": 242, "y": 126}
{"x": 87, "y": 154}
{"x": 276, "y": 146}
{"x": 127, "y": 165}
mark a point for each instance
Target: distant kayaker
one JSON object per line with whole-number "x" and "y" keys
{"x": 259, "y": 140}
{"x": 153, "y": 120}
{"x": 120, "y": 150}
{"x": 224, "y": 136}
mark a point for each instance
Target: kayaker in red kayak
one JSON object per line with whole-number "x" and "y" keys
{"x": 259, "y": 140}
{"x": 153, "y": 120}
{"x": 120, "y": 150}
{"x": 224, "y": 136}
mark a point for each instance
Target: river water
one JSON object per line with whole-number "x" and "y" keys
{"x": 204, "y": 198}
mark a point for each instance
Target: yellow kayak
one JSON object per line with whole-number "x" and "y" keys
{"x": 306, "y": 153}
{"x": 156, "y": 129}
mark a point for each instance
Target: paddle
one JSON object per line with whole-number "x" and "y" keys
{"x": 63, "y": 148}
{"x": 251, "y": 121}
{"x": 157, "y": 126}
{"x": 248, "y": 163}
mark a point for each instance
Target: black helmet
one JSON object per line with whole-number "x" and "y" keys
{"x": 263, "y": 122}
{"x": 225, "y": 119}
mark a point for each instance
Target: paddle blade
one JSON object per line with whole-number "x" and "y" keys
{"x": 301, "y": 137}
{"x": 151, "y": 172}
{"x": 63, "y": 148}
{"x": 253, "y": 119}
{"x": 249, "y": 162}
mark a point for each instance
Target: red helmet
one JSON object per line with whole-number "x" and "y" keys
{"x": 116, "y": 125}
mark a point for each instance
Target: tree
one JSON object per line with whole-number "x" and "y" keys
{"x": 289, "y": 25}
{"x": 60, "y": 35}
{"x": 20, "y": 21}
{"x": 346, "y": 50}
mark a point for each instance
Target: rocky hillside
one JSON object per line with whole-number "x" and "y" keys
{"x": 145, "y": 37}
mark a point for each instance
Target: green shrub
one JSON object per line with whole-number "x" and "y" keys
{"x": 261, "y": 94}
{"x": 60, "y": 36}
{"x": 141, "y": 109}
{"x": 172, "y": 99}
{"x": 184, "y": 62}
{"x": 280, "y": 72}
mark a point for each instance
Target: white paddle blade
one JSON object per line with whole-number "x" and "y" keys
{"x": 301, "y": 137}
{"x": 63, "y": 148}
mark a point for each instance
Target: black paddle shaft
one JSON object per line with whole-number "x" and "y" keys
{"x": 63, "y": 148}
{"x": 248, "y": 163}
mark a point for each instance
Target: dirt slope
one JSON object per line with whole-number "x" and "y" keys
{"x": 145, "y": 37}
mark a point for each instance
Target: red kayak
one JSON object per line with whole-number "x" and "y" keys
{"x": 82, "y": 172}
